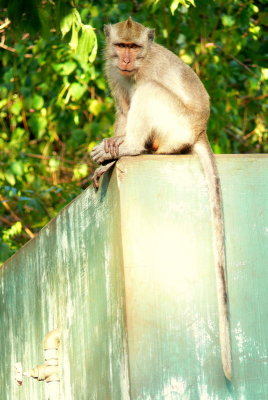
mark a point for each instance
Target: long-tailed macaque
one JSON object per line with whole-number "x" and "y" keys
{"x": 162, "y": 108}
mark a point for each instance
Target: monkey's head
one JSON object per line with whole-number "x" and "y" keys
{"x": 128, "y": 43}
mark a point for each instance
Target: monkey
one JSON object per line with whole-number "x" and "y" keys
{"x": 162, "y": 108}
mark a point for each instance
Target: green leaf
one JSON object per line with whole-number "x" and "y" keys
{"x": 17, "y": 168}
{"x": 94, "y": 51}
{"x": 174, "y": 5}
{"x": 38, "y": 125}
{"x": 86, "y": 43}
{"x": 227, "y": 20}
{"x": 15, "y": 229}
{"x": 10, "y": 178}
{"x": 67, "y": 19}
{"x": 3, "y": 103}
{"x": 37, "y": 102}
{"x": 54, "y": 164}
{"x": 94, "y": 107}
{"x": 80, "y": 171}
{"x": 74, "y": 39}
{"x": 16, "y": 107}
{"x": 65, "y": 68}
{"x": 77, "y": 90}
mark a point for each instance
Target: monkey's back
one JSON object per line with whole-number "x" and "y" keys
{"x": 170, "y": 71}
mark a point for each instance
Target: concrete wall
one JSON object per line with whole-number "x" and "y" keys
{"x": 127, "y": 275}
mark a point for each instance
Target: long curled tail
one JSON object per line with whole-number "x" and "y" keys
{"x": 203, "y": 150}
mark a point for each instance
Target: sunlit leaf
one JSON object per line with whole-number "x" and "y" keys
{"x": 10, "y": 178}
{"x": 17, "y": 168}
{"x": 77, "y": 90}
{"x": 74, "y": 38}
{"x": 37, "y": 102}
{"x": 69, "y": 15}
{"x": 228, "y": 20}
{"x": 174, "y": 5}
{"x": 94, "y": 51}
{"x": 65, "y": 68}
{"x": 15, "y": 229}
{"x": 3, "y": 103}
{"x": 80, "y": 171}
{"x": 16, "y": 107}
{"x": 264, "y": 72}
{"x": 54, "y": 164}
{"x": 86, "y": 43}
{"x": 95, "y": 107}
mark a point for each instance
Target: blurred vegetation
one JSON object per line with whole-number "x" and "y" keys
{"x": 55, "y": 104}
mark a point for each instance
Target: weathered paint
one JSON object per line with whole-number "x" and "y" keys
{"x": 135, "y": 260}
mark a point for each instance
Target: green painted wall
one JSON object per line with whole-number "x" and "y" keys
{"x": 127, "y": 275}
{"x": 69, "y": 277}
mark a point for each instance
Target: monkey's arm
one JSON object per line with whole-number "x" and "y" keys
{"x": 120, "y": 124}
{"x": 122, "y": 108}
{"x": 111, "y": 145}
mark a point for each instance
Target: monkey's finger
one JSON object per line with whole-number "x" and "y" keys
{"x": 110, "y": 146}
{"x": 106, "y": 145}
{"x": 118, "y": 143}
{"x": 96, "y": 152}
{"x": 113, "y": 149}
{"x": 99, "y": 158}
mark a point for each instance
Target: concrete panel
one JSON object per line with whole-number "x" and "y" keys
{"x": 127, "y": 275}
{"x": 69, "y": 277}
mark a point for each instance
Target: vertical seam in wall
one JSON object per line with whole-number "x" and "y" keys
{"x": 126, "y": 344}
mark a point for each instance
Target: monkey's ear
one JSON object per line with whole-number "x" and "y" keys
{"x": 151, "y": 34}
{"x": 106, "y": 30}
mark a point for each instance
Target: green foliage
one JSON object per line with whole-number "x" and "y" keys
{"x": 55, "y": 105}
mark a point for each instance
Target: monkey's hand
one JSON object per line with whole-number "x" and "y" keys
{"x": 99, "y": 172}
{"x": 108, "y": 149}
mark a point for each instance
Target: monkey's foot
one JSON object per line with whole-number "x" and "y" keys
{"x": 99, "y": 172}
{"x": 108, "y": 149}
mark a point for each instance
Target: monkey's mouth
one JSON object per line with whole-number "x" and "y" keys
{"x": 126, "y": 71}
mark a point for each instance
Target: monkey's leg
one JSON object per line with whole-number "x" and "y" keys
{"x": 99, "y": 172}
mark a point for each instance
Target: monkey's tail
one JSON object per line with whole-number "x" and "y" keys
{"x": 203, "y": 150}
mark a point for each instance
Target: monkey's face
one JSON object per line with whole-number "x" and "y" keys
{"x": 127, "y": 56}
{"x": 127, "y": 45}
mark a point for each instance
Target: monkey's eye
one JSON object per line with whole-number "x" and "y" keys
{"x": 134, "y": 46}
{"x": 121, "y": 45}
{"x": 128, "y": 45}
